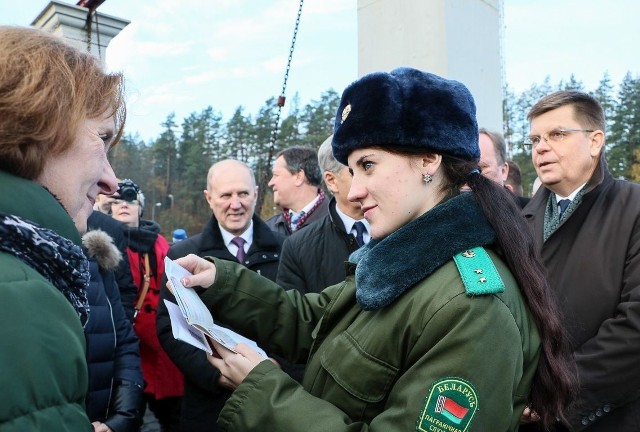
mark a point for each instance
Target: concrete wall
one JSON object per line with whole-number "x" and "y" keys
{"x": 457, "y": 39}
{"x": 69, "y": 21}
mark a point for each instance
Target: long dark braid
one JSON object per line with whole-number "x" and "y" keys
{"x": 554, "y": 385}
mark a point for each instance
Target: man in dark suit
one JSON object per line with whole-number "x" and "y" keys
{"x": 313, "y": 258}
{"x": 587, "y": 228}
{"x": 493, "y": 161}
{"x": 233, "y": 233}
{"x": 514, "y": 179}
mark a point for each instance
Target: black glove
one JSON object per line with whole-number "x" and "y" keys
{"x": 125, "y": 410}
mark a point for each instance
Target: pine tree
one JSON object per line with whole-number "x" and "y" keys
{"x": 624, "y": 138}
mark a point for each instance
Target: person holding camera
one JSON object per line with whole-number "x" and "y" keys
{"x": 146, "y": 250}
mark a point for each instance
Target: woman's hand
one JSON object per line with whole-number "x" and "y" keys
{"x": 204, "y": 272}
{"x": 234, "y": 367}
{"x": 100, "y": 427}
{"x": 529, "y": 416}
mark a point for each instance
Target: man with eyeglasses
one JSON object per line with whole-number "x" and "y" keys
{"x": 587, "y": 228}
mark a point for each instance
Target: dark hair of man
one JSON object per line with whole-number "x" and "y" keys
{"x": 499, "y": 144}
{"x": 514, "y": 178}
{"x": 554, "y": 384}
{"x": 588, "y": 111}
{"x": 305, "y": 159}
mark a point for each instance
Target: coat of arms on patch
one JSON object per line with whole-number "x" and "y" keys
{"x": 449, "y": 407}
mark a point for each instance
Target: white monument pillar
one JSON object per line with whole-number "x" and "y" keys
{"x": 457, "y": 39}
{"x": 69, "y": 21}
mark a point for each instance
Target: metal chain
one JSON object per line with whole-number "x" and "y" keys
{"x": 282, "y": 97}
{"x": 93, "y": 13}
{"x": 87, "y": 24}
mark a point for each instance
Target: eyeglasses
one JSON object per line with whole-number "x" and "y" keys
{"x": 120, "y": 202}
{"x": 554, "y": 136}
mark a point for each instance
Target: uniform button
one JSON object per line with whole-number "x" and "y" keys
{"x": 592, "y": 416}
{"x": 275, "y": 255}
{"x": 599, "y": 412}
{"x": 264, "y": 257}
{"x": 606, "y": 408}
{"x": 585, "y": 421}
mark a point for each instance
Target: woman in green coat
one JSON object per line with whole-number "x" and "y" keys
{"x": 444, "y": 322}
{"x": 60, "y": 113}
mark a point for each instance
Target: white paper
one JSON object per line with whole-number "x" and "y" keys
{"x": 196, "y": 315}
{"x": 183, "y": 331}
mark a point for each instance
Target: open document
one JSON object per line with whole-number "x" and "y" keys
{"x": 191, "y": 321}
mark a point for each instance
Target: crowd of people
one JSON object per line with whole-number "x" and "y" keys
{"x": 417, "y": 289}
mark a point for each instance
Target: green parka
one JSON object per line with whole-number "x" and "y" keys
{"x": 434, "y": 359}
{"x": 43, "y": 370}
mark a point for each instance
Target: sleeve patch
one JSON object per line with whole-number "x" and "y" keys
{"x": 450, "y": 406}
{"x": 478, "y": 272}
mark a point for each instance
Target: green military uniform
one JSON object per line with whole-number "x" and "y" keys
{"x": 434, "y": 357}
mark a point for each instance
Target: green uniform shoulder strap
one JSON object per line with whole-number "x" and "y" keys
{"x": 478, "y": 272}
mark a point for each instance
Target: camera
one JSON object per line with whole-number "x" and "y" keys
{"x": 128, "y": 190}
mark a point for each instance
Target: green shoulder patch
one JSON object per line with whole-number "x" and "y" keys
{"x": 478, "y": 272}
{"x": 449, "y": 407}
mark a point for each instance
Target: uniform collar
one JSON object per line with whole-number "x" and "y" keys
{"x": 386, "y": 268}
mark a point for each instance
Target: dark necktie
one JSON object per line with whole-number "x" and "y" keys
{"x": 563, "y": 204}
{"x": 360, "y": 230}
{"x": 239, "y": 241}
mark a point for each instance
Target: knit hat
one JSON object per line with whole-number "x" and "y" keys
{"x": 406, "y": 108}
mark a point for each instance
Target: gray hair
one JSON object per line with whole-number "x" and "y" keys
{"x": 325, "y": 158}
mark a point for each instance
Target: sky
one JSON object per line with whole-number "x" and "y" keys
{"x": 182, "y": 56}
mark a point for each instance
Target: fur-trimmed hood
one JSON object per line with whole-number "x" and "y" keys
{"x": 99, "y": 246}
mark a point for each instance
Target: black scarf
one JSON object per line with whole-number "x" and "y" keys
{"x": 142, "y": 239}
{"x": 56, "y": 258}
{"x": 387, "y": 268}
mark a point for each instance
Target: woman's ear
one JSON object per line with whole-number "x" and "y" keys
{"x": 430, "y": 163}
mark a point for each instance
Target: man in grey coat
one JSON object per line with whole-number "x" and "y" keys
{"x": 587, "y": 227}
{"x": 296, "y": 189}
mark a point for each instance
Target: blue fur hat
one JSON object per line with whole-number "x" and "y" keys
{"x": 406, "y": 108}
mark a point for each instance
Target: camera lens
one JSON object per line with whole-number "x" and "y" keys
{"x": 128, "y": 191}
{"x": 128, "y": 194}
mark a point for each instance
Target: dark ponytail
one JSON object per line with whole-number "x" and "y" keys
{"x": 554, "y": 385}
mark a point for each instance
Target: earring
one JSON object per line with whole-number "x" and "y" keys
{"x": 427, "y": 178}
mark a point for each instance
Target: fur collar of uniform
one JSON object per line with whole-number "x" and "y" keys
{"x": 99, "y": 246}
{"x": 387, "y": 268}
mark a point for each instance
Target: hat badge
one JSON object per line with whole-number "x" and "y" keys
{"x": 345, "y": 112}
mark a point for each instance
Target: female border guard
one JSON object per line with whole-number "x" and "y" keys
{"x": 444, "y": 322}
